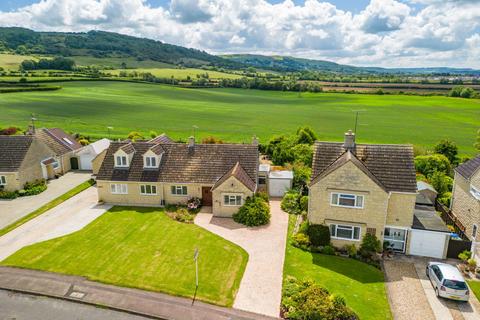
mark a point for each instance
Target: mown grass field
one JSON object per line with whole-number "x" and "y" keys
{"x": 143, "y": 248}
{"x": 12, "y": 61}
{"x": 236, "y": 114}
{"x": 180, "y": 74}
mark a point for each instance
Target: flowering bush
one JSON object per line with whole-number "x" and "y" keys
{"x": 194, "y": 203}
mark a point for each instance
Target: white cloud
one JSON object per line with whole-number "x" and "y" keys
{"x": 385, "y": 33}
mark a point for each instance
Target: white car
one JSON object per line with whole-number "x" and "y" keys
{"x": 447, "y": 281}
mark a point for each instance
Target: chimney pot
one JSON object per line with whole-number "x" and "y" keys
{"x": 191, "y": 141}
{"x": 349, "y": 143}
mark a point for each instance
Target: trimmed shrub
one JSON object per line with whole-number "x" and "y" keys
{"x": 182, "y": 215}
{"x": 291, "y": 203}
{"x": 370, "y": 245}
{"x": 306, "y": 300}
{"x": 33, "y": 188}
{"x": 255, "y": 212}
{"x": 8, "y": 194}
{"x": 328, "y": 250}
{"x": 351, "y": 250}
{"x": 319, "y": 234}
{"x": 301, "y": 240}
{"x": 263, "y": 195}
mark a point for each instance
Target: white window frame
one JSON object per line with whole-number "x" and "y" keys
{"x": 475, "y": 192}
{"x": 338, "y": 195}
{"x": 144, "y": 190}
{"x": 3, "y": 180}
{"x": 345, "y": 227}
{"x": 390, "y": 239}
{"x": 148, "y": 159}
{"x": 232, "y": 197}
{"x": 178, "y": 188}
{"x": 121, "y": 164}
{"x": 118, "y": 188}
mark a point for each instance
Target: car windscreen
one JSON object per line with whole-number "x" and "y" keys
{"x": 456, "y": 285}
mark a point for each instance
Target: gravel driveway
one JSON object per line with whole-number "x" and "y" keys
{"x": 12, "y": 210}
{"x": 69, "y": 216}
{"x": 261, "y": 286}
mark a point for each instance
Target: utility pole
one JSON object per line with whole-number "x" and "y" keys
{"x": 357, "y": 113}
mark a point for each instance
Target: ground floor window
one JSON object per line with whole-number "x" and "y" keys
{"x": 119, "y": 188}
{"x": 179, "y": 190}
{"x": 232, "y": 200}
{"x": 347, "y": 232}
{"x": 395, "y": 238}
{"x": 3, "y": 180}
{"x": 146, "y": 189}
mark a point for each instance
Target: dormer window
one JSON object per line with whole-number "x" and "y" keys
{"x": 121, "y": 161}
{"x": 150, "y": 162}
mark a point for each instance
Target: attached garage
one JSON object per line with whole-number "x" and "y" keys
{"x": 88, "y": 153}
{"x": 429, "y": 236}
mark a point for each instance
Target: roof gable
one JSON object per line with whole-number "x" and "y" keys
{"x": 238, "y": 173}
{"x": 163, "y": 138}
{"x": 391, "y": 166}
{"x": 58, "y": 141}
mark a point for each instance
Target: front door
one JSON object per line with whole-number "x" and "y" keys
{"x": 206, "y": 196}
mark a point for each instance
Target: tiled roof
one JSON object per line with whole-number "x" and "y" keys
{"x": 239, "y": 173}
{"x": 12, "y": 152}
{"x": 157, "y": 149}
{"x": 391, "y": 166}
{"x": 468, "y": 168}
{"x": 128, "y": 148}
{"x": 57, "y": 140}
{"x": 163, "y": 138}
{"x": 206, "y": 164}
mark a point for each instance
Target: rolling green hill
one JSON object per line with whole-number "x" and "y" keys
{"x": 101, "y": 44}
{"x": 236, "y": 114}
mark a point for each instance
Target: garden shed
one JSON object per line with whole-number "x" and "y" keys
{"x": 279, "y": 182}
{"x": 89, "y": 152}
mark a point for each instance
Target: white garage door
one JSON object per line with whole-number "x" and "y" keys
{"x": 278, "y": 187}
{"x": 86, "y": 161}
{"x": 427, "y": 243}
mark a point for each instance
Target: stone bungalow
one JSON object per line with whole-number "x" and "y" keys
{"x": 363, "y": 188}
{"x": 159, "y": 172}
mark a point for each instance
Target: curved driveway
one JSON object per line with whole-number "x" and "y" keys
{"x": 261, "y": 286}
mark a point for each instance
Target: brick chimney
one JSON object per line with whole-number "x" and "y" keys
{"x": 191, "y": 145}
{"x": 349, "y": 143}
{"x": 255, "y": 140}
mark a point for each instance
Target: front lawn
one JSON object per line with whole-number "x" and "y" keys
{"x": 143, "y": 248}
{"x": 360, "y": 284}
{"x": 475, "y": 287}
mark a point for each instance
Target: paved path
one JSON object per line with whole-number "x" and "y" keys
{"x": 261, "y": 286}
{"x": 21, "y": 306}
{"x": 153, "y": 304}
{"x": 69, "y": 216}
{"x": 12, "y": 210}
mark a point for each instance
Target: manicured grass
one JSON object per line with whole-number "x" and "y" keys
{"x": 143, "y": 248}
{"x": 236, "y": 114}
{"x": 475, "y": 287}
{"x": 180, "y": 74}
{"x": 360, "y": 284}
{"x": 55, "y": 202}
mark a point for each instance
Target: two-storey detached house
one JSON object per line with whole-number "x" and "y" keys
{"x": 363, "y": 188}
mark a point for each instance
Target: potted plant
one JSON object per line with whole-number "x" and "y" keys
{"x": 472, "y": 265}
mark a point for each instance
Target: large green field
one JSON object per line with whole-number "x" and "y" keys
{"x": 236, "y": 114}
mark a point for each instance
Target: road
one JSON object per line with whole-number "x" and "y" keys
{"x": 28, "y": 307}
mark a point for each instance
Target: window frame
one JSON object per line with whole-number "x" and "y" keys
{"x": 121, "y": 165}
{"x": 475, "y": 192}
{"x": 145, "y": 191}
{"x": 3, "y": 180}
{"x": 235, "y": 197}
{"x": 338, "y": 195}
{"x": 150, "y": 158}
{"x": 345, "y": 227}
{"x": 179, "y": 187}
{"x": 118, "y": 188}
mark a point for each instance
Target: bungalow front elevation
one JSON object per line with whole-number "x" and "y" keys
{"x": 159, "y": 172}
{"x": 357, "y": 189}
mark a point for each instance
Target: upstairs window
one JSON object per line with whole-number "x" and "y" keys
{"x": 3, "y": 180}
{"x": 232, "y": 200}
{"x": 179, "y": 190}
{"x": 475, "y": 192}
{"x": 347, "y": 200}
{"x": 121, "y": 161}
{"x": 150, "y": 162}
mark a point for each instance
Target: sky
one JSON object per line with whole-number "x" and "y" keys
{"x": 385, "y": 33}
